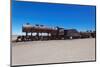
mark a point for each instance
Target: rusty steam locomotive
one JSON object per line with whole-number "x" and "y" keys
{"x": 41, "y": 32}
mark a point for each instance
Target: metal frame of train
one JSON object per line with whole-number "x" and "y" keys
{"x": 52, "y": 33}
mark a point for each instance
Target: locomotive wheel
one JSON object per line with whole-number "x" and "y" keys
{"x": 70, "y": 37}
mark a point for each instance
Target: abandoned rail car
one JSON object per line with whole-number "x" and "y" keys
{"x": 88, "y": 34}
{"x": 53, "y": 33}
{"x": 71, "y": 34}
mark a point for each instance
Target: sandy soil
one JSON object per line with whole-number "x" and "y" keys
{"x": 53, "y": 51}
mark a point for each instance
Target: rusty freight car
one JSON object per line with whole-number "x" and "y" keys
{"x": 71, "y": 34}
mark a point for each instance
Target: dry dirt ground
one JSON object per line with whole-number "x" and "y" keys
{"x": 53, "y": 51}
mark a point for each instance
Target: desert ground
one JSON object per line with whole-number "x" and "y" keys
{"x": 53, "y": 51}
